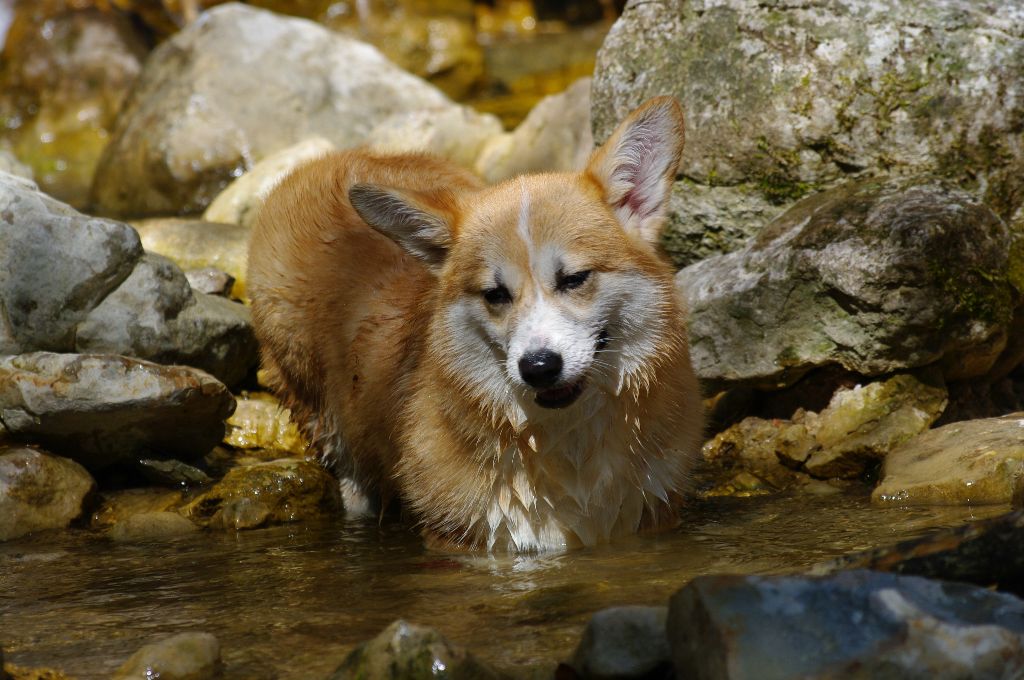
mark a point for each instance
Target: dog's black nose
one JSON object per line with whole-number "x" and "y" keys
{"x": 541, "y": 368}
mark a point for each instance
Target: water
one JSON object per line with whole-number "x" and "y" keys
{"x": 292, "y": 601}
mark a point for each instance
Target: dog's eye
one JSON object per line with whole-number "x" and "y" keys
{"x": 498, "y": 295}
{"x": 569, "y": 281}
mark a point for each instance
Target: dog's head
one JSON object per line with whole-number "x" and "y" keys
{"x": 550, "y": 284}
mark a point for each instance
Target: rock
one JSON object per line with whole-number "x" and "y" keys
{"x": 119, "y": 506}
{"x": 210, "y": 281}
{"x": 12, "y": 166}
{"x": 186, "y": 656}
{"x": 876, "y": 277}
{"x": 260, "y": 422}
{"x": 155, "y": 315}
{"x": 197, "y": 118}
{"x": 855, "y": 624}
{"x": 67, "y": 68}
{"x": 850, "y": 436}
{"x": 624, "y": 642}
{"x": 406, "y": 650}
{"x": 56, "y": 265}
{"x": 970, "y": 462}
{"x": 39, "y": 491}
{"x": 783, "y": 99}
{"x": 172, "y": 473}
{"x": 458, "y": 134}
{"x": 195, "y": 244}
{"x": 988, "y": 553}
{"x": 237, "y": 204}
{"x": 151, "y": 526}
{"x": 286, "y": 490}
{"x": 22, "y": 673}
{"x": 100, "y": 410}
{"x": 555, "y": 136}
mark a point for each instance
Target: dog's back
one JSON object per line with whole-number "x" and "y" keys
{"x": 340, "y": 310}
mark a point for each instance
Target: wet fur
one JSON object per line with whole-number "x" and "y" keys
{"x": 400, "y": 373}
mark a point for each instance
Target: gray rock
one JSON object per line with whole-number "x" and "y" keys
{"x": 405, "y": 650}
{"x": 39, "y": 491}
{"x": 856, "y": 624}
{"x": 235, "y": 86}
{"x": 970, "y": 462}
{"x": 624, "y": 642}
{"x": 99, "y": 409}
{"x": 210, "y": 281}
{"x": 874, "y": 276}
{"x": 786, "y": 98}
{"x": 172, "y": 473}
{"x": 186, "y": 656}
{"x": 155, "y": 315}
{"x": 55, "y": 266}
{"x": 151, "y": 526}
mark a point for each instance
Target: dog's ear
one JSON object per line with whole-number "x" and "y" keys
{"x": 638, "y": 163}
{"x": 419, "y": 223}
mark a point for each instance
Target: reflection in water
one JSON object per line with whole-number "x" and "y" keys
{"x": 290, "y": 602}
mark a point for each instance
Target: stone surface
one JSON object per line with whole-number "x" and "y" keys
{"x": 194, "y": 244}
{"x": 172, "y": 473}
{"x": 260, "y": 422}
{"x": 624, "y": 642}
{"x": 210, "y": 281}
{"x": 64, "y": 73}
{"x": 874, "y": 276}
{"x": 39, "y": 491}
{"x": 198, "y": 117}
{"x": 151, "y": 526}
{"x": 856, "y": 624}
{"x": 237, "y": 204}
{"x": 786, "y": 98}
{"x": 186, "y": 656}
{"x": 555, "y": 136}
{"x": 988, "y": 553}
{"x": 100, "y": 409}
{"x": 55, "y": 266}
{"x": 118, "y": 506}
{"x": 155, "y": 315}
{"x": 858, "y": 428}
{"x": 406, "y": 650}
{"x": 12, "y": 166}
{"x": 458, "y": 134}
{"x": 286, "y": 490}
{"x": 970, "y": 462}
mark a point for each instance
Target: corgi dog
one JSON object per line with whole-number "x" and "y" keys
{"x": 509, "y": 361}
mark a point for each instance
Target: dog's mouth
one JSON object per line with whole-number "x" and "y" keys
{"x": 560, "y": 397}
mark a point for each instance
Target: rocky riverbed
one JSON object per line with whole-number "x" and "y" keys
{"x": 848, "y": 225}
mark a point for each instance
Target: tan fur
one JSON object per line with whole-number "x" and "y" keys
{"x": 362, "y": 340}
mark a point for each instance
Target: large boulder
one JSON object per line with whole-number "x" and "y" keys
{"x": 786, "y": 98}
{"x": 39, "y": 491}
{"x": 875, "y": 276}
{"x": 235, "y": 86}
{"x": 99, "y": 410}
{"x": 856, "y": 624}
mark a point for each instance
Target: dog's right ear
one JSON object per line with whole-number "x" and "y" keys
{"x": 417, "y": 222}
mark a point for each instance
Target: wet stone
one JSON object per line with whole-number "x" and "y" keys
{"x": 39, "y": 491}
{"x": 187, "y": 656}
{"x": 172, "y": 473}
{"x": 118, "y": 506}
{"x": 624, "y": 642}
{"x": 151, "y": 526}
{"x": 101, "y": 409}
{"x": 853, "y": 624}
{"x": 969, "y": 462}
{"x": 260, "y": 422}
{"x": 286, "y": 490}
{"x": 406, "y": 651}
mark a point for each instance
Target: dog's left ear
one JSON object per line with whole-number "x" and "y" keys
{"x": 638, "y": 163}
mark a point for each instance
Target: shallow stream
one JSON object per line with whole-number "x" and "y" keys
{"x": 292, "y": 601}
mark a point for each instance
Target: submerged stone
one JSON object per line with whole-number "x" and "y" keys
{"x": 186, "y": 656}
{"x": 406, "y": 651}
{"x": 856, "y": 624}
{"x": 100, "y": 409}
{"x": 118, "y": 506}
{"x": 39, "y": 491}
{"x": 624, "y": 642}
{"x": 875, "y": 277}
{"x": 286, "y": 490}
{"x": 151, "y": 526}
{"x": 970, "y": 462}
